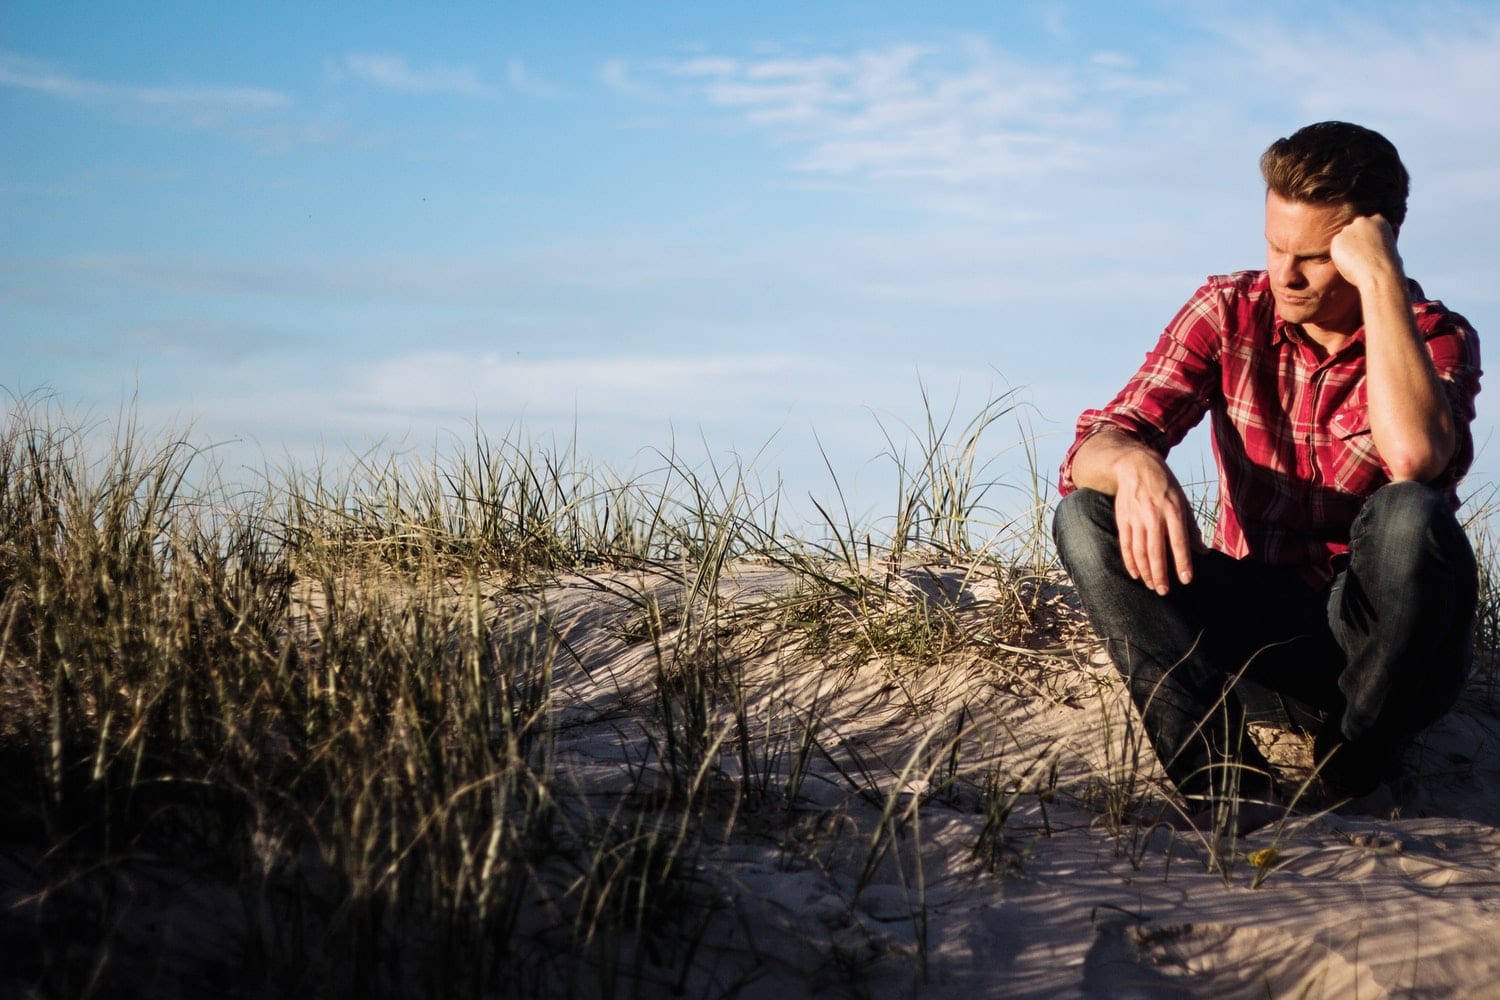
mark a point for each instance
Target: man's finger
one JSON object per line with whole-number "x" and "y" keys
{"x": 1156, "y": 555}
{"x": 1182, "y": 548}
{"x": 1140, "y": 548}
{"x": 1127, "y": 548}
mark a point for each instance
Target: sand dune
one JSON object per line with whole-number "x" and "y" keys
{"x": 794, "y": 787}
{"x": 880, "y": 877}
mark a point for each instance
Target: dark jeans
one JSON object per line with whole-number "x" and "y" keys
{"x": 1371, "y": 660}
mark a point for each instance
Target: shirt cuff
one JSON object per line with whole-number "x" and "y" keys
{"x": 1088, "y": 425}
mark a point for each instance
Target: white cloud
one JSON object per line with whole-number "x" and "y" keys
{"x": 393, "y": 72}
{"x": 255, "y": 116}
{"x": 964, "y": 113}
{"x": 205, "y": 339}
{"x": 597, "y": 391}
{"x": 1052, "y": 18}
{"x": 528, "y": 82}
{"x": 196, "y": 105}
{"x": 706, "y": 66}
{"x": 619, "y": 76}
{"x": 607, "y": 264}
{"x": 625, "y": 404}
{"x": 967, "y": 128}
{"x": 1437, "y": 76}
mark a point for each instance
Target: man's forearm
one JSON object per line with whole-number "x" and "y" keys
{"x": 1410, "y": 420}
{"x": 1096, "y": 464}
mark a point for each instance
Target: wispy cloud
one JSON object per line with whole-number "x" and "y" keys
{"x": 199, "y": 106}
{"x": 705, "y": 66}
{"x": 394, "y": 72}
{"x": 967, "y": 128}
{"x": 1052, "y": 18}
{"x": 639, "y": 386}
{"x": 619, "y": 76}
{"x": 1441, "y": 78}
{"x": 957, "y": 113}
{"x": 603, "y": 264}
{"x": 204, "y": 339}
{"x": 525, "y": 81}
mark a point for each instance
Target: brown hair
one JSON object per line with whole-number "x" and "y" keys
{"x": 1335, "y": 162}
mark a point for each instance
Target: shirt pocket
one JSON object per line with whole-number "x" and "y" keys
{"x": 1349, "y": 421}
{"x": 1356, "y": 464}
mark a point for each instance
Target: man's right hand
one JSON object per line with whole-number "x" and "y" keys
{"x": 1158, "y": 532}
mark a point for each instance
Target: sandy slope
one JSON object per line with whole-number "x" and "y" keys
{"x": 905, "y": 821}
{"x": 1058, "y": 901}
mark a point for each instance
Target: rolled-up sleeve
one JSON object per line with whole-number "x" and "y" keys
{"x": 1170, "y": 392}
{"x": 1454, "y": 348}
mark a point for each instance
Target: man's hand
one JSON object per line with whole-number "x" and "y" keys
{"x": 1158, "y": 533}
{"x": 1364, "y": 251}
{"x": 1157, "y": 530}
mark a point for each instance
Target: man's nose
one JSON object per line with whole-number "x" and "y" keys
{"x": 1288, "y": 273}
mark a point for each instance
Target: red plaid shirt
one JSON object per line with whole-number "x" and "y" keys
{"x": 1291, "y": 432}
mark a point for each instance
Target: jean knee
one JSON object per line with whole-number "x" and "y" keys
{"x": 1407, "y": 523}
{"x": 1404, "y": 503}
{"x": 1083, "y": 527}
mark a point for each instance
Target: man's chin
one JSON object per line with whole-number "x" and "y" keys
{"x": 1295, "y": 311}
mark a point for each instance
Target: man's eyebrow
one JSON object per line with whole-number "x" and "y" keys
{"x": 1300, "y": 256}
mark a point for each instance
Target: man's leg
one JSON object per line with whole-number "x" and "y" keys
{"x": 1403, "y": 611}
{"x": 1175, "y": 651}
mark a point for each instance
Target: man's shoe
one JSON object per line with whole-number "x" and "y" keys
{"x": 1353, "y": 769}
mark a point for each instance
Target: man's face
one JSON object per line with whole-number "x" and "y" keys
{"x": 1308, "y": 287}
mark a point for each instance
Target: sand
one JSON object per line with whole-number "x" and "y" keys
{"x": 1063, "y": 899}
{"x": 966, "y": 820}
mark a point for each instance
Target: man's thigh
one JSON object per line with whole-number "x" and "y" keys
{"x": 1269, "y": 627}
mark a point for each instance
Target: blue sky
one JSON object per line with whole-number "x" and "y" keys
{"x": 304, "y": 229}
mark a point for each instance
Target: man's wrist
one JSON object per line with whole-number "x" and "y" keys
{"x": 1388, "y": 280}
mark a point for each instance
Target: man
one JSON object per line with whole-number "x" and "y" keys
{"x": 1339, "y": 577}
